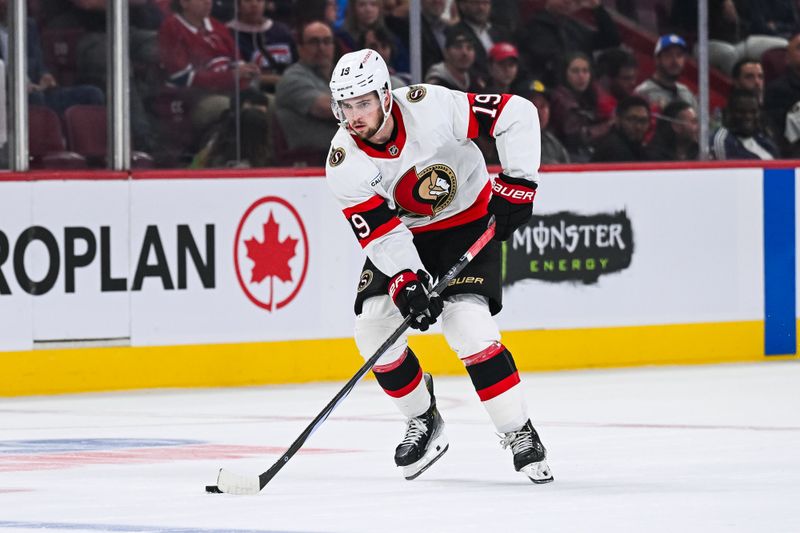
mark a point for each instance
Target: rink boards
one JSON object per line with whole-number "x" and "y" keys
{"x": 164, "y": 278}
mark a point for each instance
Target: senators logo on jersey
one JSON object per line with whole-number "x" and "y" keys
{"x": 416, "y": 93}
{"x": 336, "y": 157}
{"x": 426, "y": 193}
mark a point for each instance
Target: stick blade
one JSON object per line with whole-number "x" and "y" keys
{"x": 233, "y": 483}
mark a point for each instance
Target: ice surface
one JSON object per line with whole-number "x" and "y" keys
{"x": 668, "y": 449}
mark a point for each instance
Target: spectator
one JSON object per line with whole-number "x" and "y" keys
{"x": 675, "y": 138}
{"x": 741, "y": 135}
{"x": 625, "y": 141}
{"x": 248, "y": 148}
{"x": 748, "y": 74}
{"x": 663, "y": 86}
{"x": 263, "y": 42}
{"x": 731, "y": 36}
{"x": 617, "y": 72}
{"x": 574, "y": 107}
{"x": 781, "y": 95}
{"x": 553, "y": 152}
{"x": 503, "y": 69}
{"x": 361, "y": 16}
{"x": 433, "y": 30}
{"x": 199, "y": 56}
{"x": 554, "y": 32}
{"x": 459, "y": 57}
{"x": 91, "y": 51}
{"x": 43, "y": 88}
{"x": 302, "y": 96}
{"x": 249, "y": 98}
{"x": 383, "y": 42}
{"x": 475, "y": 15}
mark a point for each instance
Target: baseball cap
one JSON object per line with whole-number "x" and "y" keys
{"x": 456, "y": 35}
{"x": 533, "y": 88}
{"x": 501, "y": 51}
{"x": 665, "y": 41}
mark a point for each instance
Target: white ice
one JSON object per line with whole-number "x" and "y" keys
{"x": 666, "y": 449}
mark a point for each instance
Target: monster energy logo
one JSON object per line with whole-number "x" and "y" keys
{"x": 569, "y": 247}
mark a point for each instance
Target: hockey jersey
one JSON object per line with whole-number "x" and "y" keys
{"x": 193, "y": 57}
{"x": 429, "y": 175}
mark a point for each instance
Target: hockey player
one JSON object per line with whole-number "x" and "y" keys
{"x": 417, "y": 193}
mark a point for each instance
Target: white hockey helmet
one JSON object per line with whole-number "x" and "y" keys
{"x": 356, "y": 74}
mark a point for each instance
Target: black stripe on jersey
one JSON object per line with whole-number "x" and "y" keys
{"x": 484, "y": 110}
{"x": 371, "y": 219}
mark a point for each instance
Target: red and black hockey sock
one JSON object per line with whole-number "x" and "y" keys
{"x": 492, "y": 371}
{"x": 400, "y": 377}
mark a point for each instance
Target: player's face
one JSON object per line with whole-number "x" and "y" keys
{"x": 364, "y": 114}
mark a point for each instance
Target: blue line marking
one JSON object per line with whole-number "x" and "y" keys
{"x": 780, "y": 326}
{"x": 122, "y": 528}
{"x": 85, "y": 445}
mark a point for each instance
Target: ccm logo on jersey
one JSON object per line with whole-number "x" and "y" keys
{"x": 514, "y": 194}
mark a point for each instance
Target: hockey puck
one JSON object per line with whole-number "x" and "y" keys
{"x": 213, "y": 489}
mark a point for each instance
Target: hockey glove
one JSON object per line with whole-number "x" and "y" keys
{"x": 511, "y": 204}
{"x": 410, "y": 293}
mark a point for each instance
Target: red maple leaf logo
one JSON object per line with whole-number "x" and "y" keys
{"x": 271, "y": 256}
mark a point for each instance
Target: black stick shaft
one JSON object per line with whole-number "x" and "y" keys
{"x": 265, "y": 477}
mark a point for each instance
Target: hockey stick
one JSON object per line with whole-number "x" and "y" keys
{"x": 232, "y": 483}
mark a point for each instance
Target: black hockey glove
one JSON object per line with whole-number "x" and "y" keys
{"x": 410, "y": 293}
{"x": 511, "y": 204}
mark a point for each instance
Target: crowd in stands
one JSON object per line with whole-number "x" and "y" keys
{"x": 221, "y": 83}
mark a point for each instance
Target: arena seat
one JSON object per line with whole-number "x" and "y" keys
{"x": 774, "y": 63}
{"x": 46, "y": 145}
{"x": 86, "y": 134}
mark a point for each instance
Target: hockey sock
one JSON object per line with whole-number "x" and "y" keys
{"x": 495, "y": 378}
{"x": 402, "y": 381}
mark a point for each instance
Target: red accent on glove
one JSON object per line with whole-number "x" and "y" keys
{"x": 513, "y": 192}
{"x": 400, "y": 280}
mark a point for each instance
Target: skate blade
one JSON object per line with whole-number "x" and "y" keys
{"x": 437, "y": 449}
{"x": 538, "y": 473}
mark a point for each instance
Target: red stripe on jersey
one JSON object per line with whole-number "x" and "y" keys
{"x": 380, "y": 231}
{"x": 484, "y": 355}
{"x": 484, "y": 110}
{"x": 498, "y": 388}
{"x": 391, "y": 366}
{"x": 474, "y": 212}
{"x": 399, "y": 393}
{"x": 393, "y": 148}
{"x": 472, "y": 128}
{"x": 368, "y": 205}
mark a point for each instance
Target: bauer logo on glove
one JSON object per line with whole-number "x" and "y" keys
{"x": 411, "y": 294}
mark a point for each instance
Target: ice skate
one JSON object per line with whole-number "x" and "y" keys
{"x": 529, "y": 453}
{"x": 424, "y": 441}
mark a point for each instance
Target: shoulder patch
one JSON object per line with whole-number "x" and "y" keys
{"x": 416, "y": 93}
{"x": 336, "y": 157}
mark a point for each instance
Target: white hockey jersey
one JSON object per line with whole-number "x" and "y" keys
{"x": 429, "y": 175}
